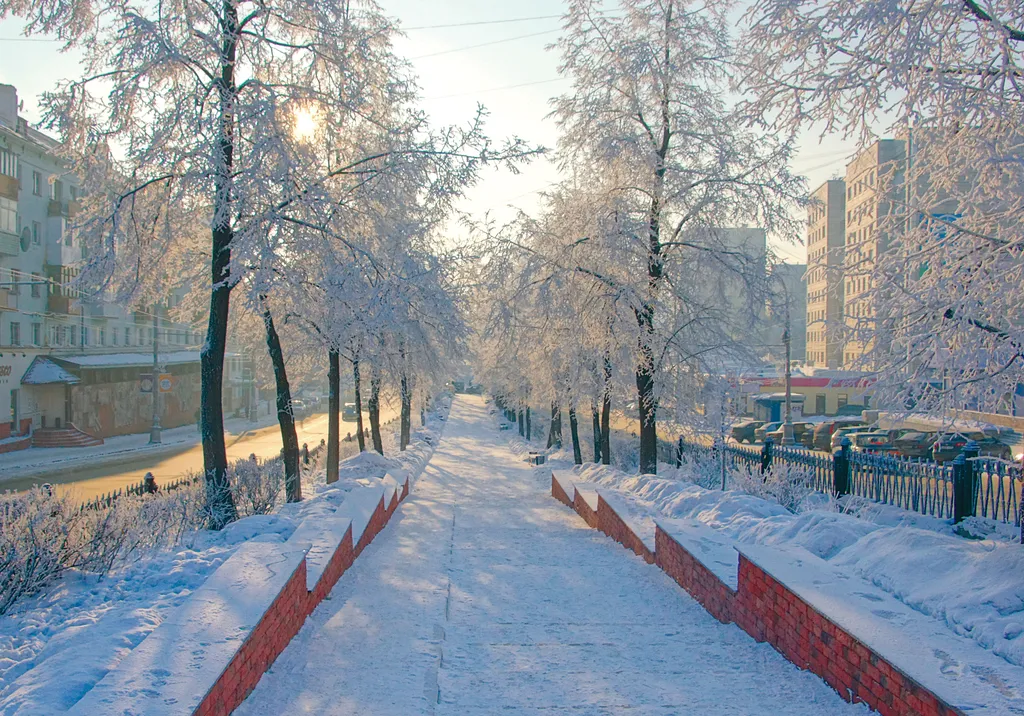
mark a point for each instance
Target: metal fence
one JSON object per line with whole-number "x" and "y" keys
{"x": 969, "y": 486}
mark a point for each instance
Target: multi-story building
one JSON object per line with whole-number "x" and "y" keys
{"x": 873, "y": 179}
{"x": 826, "y": 238}
{"x": 67, "y": 358}
{"x": 792, "y": 285}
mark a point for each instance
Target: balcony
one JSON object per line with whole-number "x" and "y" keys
{"x": 9, "y": 244}
{"x": 56, "y": 207}
{"x": 99, "y": 309}
{"x": 55, "y": 303}
{"x": 8, "y": 300}
{"x": 9, "y": 187}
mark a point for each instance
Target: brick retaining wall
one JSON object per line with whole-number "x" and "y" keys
{"x": 770, "y": 612}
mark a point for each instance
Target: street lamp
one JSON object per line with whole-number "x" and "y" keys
{"x": 787, "y": 427}
{"x": 155, "y": 430}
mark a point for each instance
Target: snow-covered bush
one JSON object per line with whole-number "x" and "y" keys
{"x": 256, "y": 485}
{"x": 788, "y": 485}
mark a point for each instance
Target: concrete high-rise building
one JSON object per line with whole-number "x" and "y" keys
{"x": 873, "y": 180}
{"x": 826, "y": 238}
{"x": 793, "y": 287}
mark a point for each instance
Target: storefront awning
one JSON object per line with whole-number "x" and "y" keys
{"x": 44, "y": 371}
{"x": 129, "y": 360}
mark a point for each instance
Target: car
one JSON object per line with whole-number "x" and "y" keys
{"x": 948, "y": 445}
{"x": 743, "y": 431}
{"x": 915, "y": 444}
{"x": 763, "y": 430}
{"x": 844, "y": 432}
{"x": 875, "y": 441}
{"x": 348, "y": 413}
{"x": 822, "y": 438}
{"x": 800, "y": 432}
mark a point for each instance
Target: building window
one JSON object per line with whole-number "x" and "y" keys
{"x": 103, "y": 336}
{"x": 85, "y": 335}
{"x": 15, "y": 334}
{"x": 57, "y": 190}
{"x": 37, "y": 183}
{"x": 36, "y": 232}
{"x": 37, "y": 289}
{"x": 8, "y": 215}
{"x": 113, "y": 336}
{"x": 842, "y": 399}
{"x": 8, "y": 163}
{"x": 37, "y": 334}
{"x": 127, "y": 335}
{"x": 74, "y": 335}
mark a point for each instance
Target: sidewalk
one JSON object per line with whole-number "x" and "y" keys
{"x": 38, "y": 461}
{"x": 484, "y": 595}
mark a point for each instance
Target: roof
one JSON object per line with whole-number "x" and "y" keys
{"x": 130, "y": 360}
{"x": 770, "y": 397}
{"x": 43, "y": 371}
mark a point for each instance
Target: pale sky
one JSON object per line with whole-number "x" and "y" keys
{"x": 512, "y": 74}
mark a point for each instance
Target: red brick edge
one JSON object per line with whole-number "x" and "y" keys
{"x": 769, "y": 612}
{"x": 285, "y": 617}
{"x": 13, "y": 445}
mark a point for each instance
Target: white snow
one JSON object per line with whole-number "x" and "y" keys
{"x": 710, "y": 548}
{"x": 972, "y": 587}
{"x": 323, "y": 534}
{"x": 359, "y": 506}
{"x": 55, "y": 647}
{"x": 44, "y": 371}
{"x": 173, "y": 669}
{"x": 486, "y": 595}
{"x": 133, "y": 360}
{"x": 956, "y": 670}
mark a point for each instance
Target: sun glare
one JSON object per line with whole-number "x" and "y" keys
{"x": 305, "y": 123}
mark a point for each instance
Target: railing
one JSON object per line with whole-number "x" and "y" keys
{"x": 970, "y": 486}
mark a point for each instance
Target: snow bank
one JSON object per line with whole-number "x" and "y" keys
{"x": 56, "y": 646}
{"x": 974, "y": 587}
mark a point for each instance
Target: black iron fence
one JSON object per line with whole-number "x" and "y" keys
{"x": 969, "y": 486}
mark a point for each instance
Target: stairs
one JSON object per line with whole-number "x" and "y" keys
{"x": 63, "y": 437}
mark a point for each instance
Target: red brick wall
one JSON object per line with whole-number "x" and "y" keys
{"x": 558, "y": 493}
{"x": 377, "y": 521}
{"x": 581, "y": 506}
{"x": 5, "y": 430}
{"x": 609, "y": 522}
{"x": 279, "y": 624}
{"x": 768, "y": 611}
{"x": 700, "y": 582}
{"x": 340, "y": 561}
{"x": 405, "y": 490}
{"x": 16, "y": 445}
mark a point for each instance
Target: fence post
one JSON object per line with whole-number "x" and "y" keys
{"x": 841, "y": 469}
{"x": 679, "y": 452}
{"x": 965, "y": 491}
{"x": 766, "y": 457}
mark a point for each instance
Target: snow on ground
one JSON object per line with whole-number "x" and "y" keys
{"x": 484, "y": 595}
{"x": 54, "y": 647}
{"x": 974, "y": 586}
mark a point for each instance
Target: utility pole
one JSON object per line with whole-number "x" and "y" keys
{"x": 154, "y": 431}
{"x": 787, "y": 427}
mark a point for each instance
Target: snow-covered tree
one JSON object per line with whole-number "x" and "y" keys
{"x": 649, "y": 114}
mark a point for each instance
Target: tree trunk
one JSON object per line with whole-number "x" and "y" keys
{"x": 219, "y": 502}
{"x": 646, "y": 405}
{"x": 360, "y": 435}
{"x": 378, "y": 444}
{"x": 555, "y": 429}
{"x": 285, "y": 416}
{"x": 333, "y": 413}
{"x": 527, "y": 423}
{"x": 406, "y": 411}
{"x": 597, "y": 431}
{"x": 522, "y": 424}
{"x": 606, "y": 414}
{"x": 577, "y": 454}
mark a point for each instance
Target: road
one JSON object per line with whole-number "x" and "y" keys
{"x": 87, "y": 481}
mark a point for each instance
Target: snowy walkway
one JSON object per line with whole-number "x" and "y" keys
{"x": 485, "y": 595}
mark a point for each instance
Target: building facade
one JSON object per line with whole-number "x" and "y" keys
{"x": 42, "y": 315}
{"x": 826, "y": 239}
{"x": 873, "y": 179}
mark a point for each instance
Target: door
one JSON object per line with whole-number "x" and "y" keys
{"x": 819, "y": 404}
{"x": 15, "y": 422}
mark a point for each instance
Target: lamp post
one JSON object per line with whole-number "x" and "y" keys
{"x": 155, "y": 430}
{"x": 787, "y": 427}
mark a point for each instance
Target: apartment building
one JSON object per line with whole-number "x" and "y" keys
{"x": 873, "y": 178}
{"x": 826, "y": 238}
{"x": 64, "y": 357}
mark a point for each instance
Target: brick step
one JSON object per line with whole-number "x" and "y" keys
{"x": 63, "y": 437}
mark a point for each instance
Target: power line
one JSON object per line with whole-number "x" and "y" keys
{"x": 497, "y": 89}
{"x": 482, "y": 22}
{"x": 486, "y": 44}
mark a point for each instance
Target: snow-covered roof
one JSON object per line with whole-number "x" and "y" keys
{"x": 43, "y": 371}
{"x": 130, "y": 360}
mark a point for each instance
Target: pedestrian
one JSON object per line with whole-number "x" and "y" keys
{"x": 305, "y": 454}
{"x": 149, "y": 484}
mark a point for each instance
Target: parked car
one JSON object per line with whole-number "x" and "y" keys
{"x": 743, "y": 431}
{"x": 800, "y": 433}
{"x": 822, "y": 438}
{"x": 348, "y": 413}
{"x": 948, "y": 445}
{"x": 845, "y": 432}
{"x": 761, "y": 432}
{"x": 915, "y": 444}
{"x": 875, "y": 441}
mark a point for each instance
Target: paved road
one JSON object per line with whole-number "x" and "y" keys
{"x": 484, "y": 595}
{"x": 89, "y": 481}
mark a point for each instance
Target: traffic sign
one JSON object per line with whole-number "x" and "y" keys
{"x": 166, "y": 382}
{"x": 145, "y": 382}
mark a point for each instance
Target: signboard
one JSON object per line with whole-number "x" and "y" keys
{"x": 145, "y": 382}
{"x": 166, "y": 382}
